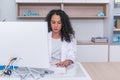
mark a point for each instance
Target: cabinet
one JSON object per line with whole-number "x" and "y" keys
{"x": 114, "y": 53}
{"x": 92, "y": 53}
{"x": 74, "y": 10}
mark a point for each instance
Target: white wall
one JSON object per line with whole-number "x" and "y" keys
{"x": 84, "y": 28}
{"x": 0, "y": 9}
{"x": 87, "y": 28}
{"x": 8, "y": 10}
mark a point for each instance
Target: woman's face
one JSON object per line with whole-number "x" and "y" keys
{"x": 56, "y": 23}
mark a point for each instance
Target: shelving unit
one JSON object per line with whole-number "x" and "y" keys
{"x": 115, "y": 45}
{"x": 85, "y": 10}
{"x": 27, "y": 10}
{"x": 74, "y": 10}
{"x": 116, "y": 16}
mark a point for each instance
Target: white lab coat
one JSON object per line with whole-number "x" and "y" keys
{"x": 68, "y": 50}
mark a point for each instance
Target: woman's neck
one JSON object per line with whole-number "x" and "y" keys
{"x": 56, "y": 35}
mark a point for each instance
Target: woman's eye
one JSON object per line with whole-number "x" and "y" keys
{"x": 59, "y": 22}
{"x": 53, "y": 22}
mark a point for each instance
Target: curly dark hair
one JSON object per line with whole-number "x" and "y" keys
{"x": 67, "y": 32}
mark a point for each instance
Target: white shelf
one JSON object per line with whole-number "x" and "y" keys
{"x": 117, "y": 14}
{"x": 91, "y": 43}
{"x": 115, "y": 29}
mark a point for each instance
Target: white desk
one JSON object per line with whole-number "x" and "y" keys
{"x": 79, "y": 74}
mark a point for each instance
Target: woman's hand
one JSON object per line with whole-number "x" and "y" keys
{"x": 64, "y": 63}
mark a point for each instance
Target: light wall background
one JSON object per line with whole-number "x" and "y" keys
{"x": 84, "y": 28}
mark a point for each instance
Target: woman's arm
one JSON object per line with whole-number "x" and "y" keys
{"x": 69, "y": 54}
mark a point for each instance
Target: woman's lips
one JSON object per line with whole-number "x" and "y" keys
{"x": 55, "y": 29}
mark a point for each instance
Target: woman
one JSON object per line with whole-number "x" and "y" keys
{"x": 62, "y": 43}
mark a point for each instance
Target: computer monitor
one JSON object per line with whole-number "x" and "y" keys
{"x": 28, "y": 41}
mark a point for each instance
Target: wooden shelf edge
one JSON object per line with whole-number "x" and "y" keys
{"x": 116, "y": 29}
{"x": 91, "y": 43}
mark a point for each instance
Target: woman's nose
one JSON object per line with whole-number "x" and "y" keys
{"x": 56, "y": 24}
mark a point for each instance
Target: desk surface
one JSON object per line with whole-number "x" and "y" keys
{"x": 75, "y": 72}
{"x": 103, "y": 70}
